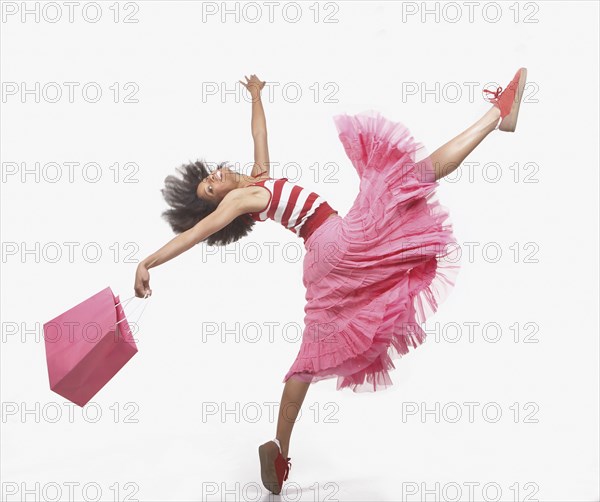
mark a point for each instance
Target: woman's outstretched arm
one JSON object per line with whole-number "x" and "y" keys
{"x": 233, "y": 205}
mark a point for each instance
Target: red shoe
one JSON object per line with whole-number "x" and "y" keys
{"x": 274, "y": 468}
{"x": 509, "y": 100}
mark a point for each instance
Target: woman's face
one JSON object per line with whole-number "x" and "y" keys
{"x": 217, "y": 184}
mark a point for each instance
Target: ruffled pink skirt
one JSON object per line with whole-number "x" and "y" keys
{"x": 375, "y": 275}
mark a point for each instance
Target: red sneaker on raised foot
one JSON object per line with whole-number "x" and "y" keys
{"x": 274, "y": 469}
{"x": 509, "y": 100}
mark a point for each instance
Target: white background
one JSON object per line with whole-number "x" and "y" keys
{"x": 358, "y": 446}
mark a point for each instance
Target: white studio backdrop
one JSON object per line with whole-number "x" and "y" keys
{"x": 500, "y": 402}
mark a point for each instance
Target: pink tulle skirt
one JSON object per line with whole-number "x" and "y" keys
{"x": 374, "y": 276}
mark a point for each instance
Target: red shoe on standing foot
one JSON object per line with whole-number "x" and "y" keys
{"x": 509, "y": 100}
{"x": 274, "y": 469}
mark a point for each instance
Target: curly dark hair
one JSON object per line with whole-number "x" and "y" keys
{"x": 187, "y": 208}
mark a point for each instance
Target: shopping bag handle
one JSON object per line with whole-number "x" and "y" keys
{"x": 124, "y": 302}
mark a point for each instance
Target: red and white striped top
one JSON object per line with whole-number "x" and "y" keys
{"x": 295, "y": 207}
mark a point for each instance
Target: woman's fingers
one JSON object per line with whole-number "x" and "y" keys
{"x": 253, "y": 80}
{"x": 142, "y": 282}
{"x": 245, "y": 84}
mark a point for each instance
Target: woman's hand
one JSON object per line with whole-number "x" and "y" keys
{"x": 142, "y": 282}
{"x": 253, "y": 84}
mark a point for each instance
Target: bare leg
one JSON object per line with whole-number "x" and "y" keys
{"x": 448, "y": 157}
{"x": 291, "y": 402}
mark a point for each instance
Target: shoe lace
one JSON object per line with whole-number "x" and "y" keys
{"x": 287, "y": 469}
{"x": 495, "y": 94}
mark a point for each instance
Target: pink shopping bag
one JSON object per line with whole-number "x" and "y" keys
{"x": 87, "y": 345}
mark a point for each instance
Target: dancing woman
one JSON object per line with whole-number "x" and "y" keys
{"x": 372, "y": 277}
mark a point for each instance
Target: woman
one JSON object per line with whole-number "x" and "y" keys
{"x": 372, "y": 277}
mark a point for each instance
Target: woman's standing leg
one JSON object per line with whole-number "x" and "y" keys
{"x": 291, "y": 402}
{"x": 448, "y": 157}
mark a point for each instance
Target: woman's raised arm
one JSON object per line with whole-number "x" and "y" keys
{"x": 258, "y": 126}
